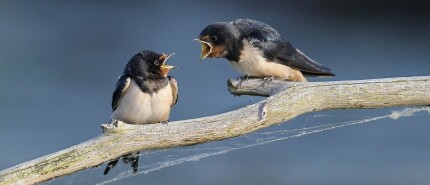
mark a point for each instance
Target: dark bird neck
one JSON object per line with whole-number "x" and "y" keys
{"x": 234, "y": 50}
{"x": 150, "y": 83}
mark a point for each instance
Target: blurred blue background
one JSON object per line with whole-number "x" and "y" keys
{"x": 59, "y": 62}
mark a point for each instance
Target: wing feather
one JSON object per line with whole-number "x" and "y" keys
{"x": 174, "y": 85}
{"x": 279, "y": 48}
{"x": 121, "y": 87}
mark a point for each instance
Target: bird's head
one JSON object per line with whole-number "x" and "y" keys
{"x": 216, "y": 40}
{"x": 149, "y": 63}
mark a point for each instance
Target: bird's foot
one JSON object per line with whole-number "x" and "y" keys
{"x": 165, "y": 122}
{"x": 112, "y": 125}
{"x": 267, "y": 80}
{"x": 242, "y": 79}
{"x": 113, "y": 121}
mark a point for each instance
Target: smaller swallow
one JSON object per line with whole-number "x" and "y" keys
{"x": 144, "y": 94}
{"x": 258, "y": 50}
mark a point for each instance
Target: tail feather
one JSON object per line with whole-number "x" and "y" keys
{"x": 309, "y": 67}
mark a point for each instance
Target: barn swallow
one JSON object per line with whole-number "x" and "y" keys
{"x": 258, "y": 50}
{"x": 144, "y": 94}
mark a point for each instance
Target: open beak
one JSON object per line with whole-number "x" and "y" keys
{"x": 206, "y": 48}
{"x": 165, "y": 66}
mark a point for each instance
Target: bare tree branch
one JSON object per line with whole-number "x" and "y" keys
{"x": 287, "y": 100}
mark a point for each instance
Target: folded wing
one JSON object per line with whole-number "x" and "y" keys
{"x": 121, "y": 87}
{"x": 174, "y": 85}
{"x": 277, "y": 49}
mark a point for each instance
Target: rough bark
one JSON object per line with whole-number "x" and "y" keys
{"x": 286, "y": 100}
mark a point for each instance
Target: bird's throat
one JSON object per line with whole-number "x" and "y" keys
{"x": 206, "y": 49}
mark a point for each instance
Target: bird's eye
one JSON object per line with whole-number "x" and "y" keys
{"x": 214, "y": 38}
{"x": 156, "y": 62}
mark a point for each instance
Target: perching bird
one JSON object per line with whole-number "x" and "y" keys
{"x": 144, "y": 94}
{"x": 258, "y": 50}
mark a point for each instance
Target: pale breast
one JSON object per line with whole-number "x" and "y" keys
{"x": 137, "y": 107}
{"x": 252, "y": 63}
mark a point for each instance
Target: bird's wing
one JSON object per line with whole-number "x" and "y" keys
{"x": 275, "y": 47}
{"x": 174, "y": 85}
{"x": 121, "y": 87}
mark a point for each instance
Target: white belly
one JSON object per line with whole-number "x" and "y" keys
{"x": 252, "y": 63}
{"x": 136, "y": 107}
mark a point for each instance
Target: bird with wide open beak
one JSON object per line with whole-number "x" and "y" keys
{"x": 164, "y": 67}
{"x": 206, "y": 48}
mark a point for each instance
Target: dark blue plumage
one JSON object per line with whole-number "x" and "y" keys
{"x": 267, "y": 48}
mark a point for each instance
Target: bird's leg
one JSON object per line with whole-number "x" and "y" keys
{"x": 267, "y": 80}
